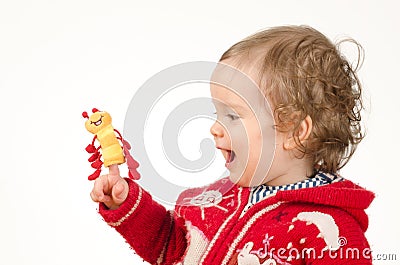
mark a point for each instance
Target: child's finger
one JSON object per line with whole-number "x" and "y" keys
{"x": 96, "y": 197}
{"x": 113, "y": 170}
{"x": 97, "y": 193}
{"x": 120, "y": 191}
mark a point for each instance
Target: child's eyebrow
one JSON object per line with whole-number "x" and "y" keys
{"x": 232, "y": 105}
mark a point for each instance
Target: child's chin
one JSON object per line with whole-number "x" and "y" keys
{"x": 239, "y": 180}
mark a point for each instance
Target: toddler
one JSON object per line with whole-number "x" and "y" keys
{"x": 285, "y": 206}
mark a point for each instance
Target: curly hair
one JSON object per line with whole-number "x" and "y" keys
{"x": 303, "y": 73}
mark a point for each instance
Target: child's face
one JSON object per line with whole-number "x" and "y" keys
{"x": 244, "y": 130}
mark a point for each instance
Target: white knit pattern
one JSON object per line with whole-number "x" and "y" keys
{"x": 222, "y": 227}
{"x": 246, "y": 228}
{"x": 197, "y": 246}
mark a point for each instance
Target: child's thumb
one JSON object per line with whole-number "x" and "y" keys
{"x": 120, "y": 191}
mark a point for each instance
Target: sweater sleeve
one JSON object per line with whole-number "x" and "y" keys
{"x": 157, "y": 235}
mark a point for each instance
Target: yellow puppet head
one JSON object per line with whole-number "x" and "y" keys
{"x": 97, "y": 121}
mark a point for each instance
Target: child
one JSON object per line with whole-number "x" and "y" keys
{"x": 300, "y": 211}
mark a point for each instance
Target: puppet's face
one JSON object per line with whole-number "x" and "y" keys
{"x": 98, "y": 121}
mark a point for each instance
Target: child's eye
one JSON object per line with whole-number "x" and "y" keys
{"x": 232, "y": 117}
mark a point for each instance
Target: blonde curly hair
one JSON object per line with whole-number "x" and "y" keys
{"x": 303, "y": 73}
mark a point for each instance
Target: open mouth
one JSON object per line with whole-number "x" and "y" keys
{"x": 229, "y": 156}
{"x": 97, "y": 123}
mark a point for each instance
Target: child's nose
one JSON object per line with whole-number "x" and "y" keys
{"x": 217, "y": 129}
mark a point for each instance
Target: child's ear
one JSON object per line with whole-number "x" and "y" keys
{"x": 303, "y": 133}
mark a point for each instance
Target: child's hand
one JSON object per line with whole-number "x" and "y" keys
{"x": 110, "y": 189}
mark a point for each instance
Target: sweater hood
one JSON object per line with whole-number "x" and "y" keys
{"x": 344, "y": 194}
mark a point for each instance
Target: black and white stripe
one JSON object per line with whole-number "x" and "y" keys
{"x": 261, "y": 192}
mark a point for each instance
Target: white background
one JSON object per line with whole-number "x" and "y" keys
{"x": 59, "y": 58}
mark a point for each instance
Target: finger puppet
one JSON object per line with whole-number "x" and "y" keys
{"x": 114, "y": 148}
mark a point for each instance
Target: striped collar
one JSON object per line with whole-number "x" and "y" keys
{"x": 262, "y": 192}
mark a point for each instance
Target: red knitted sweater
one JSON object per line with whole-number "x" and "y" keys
{"x": 321, "y": 225}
